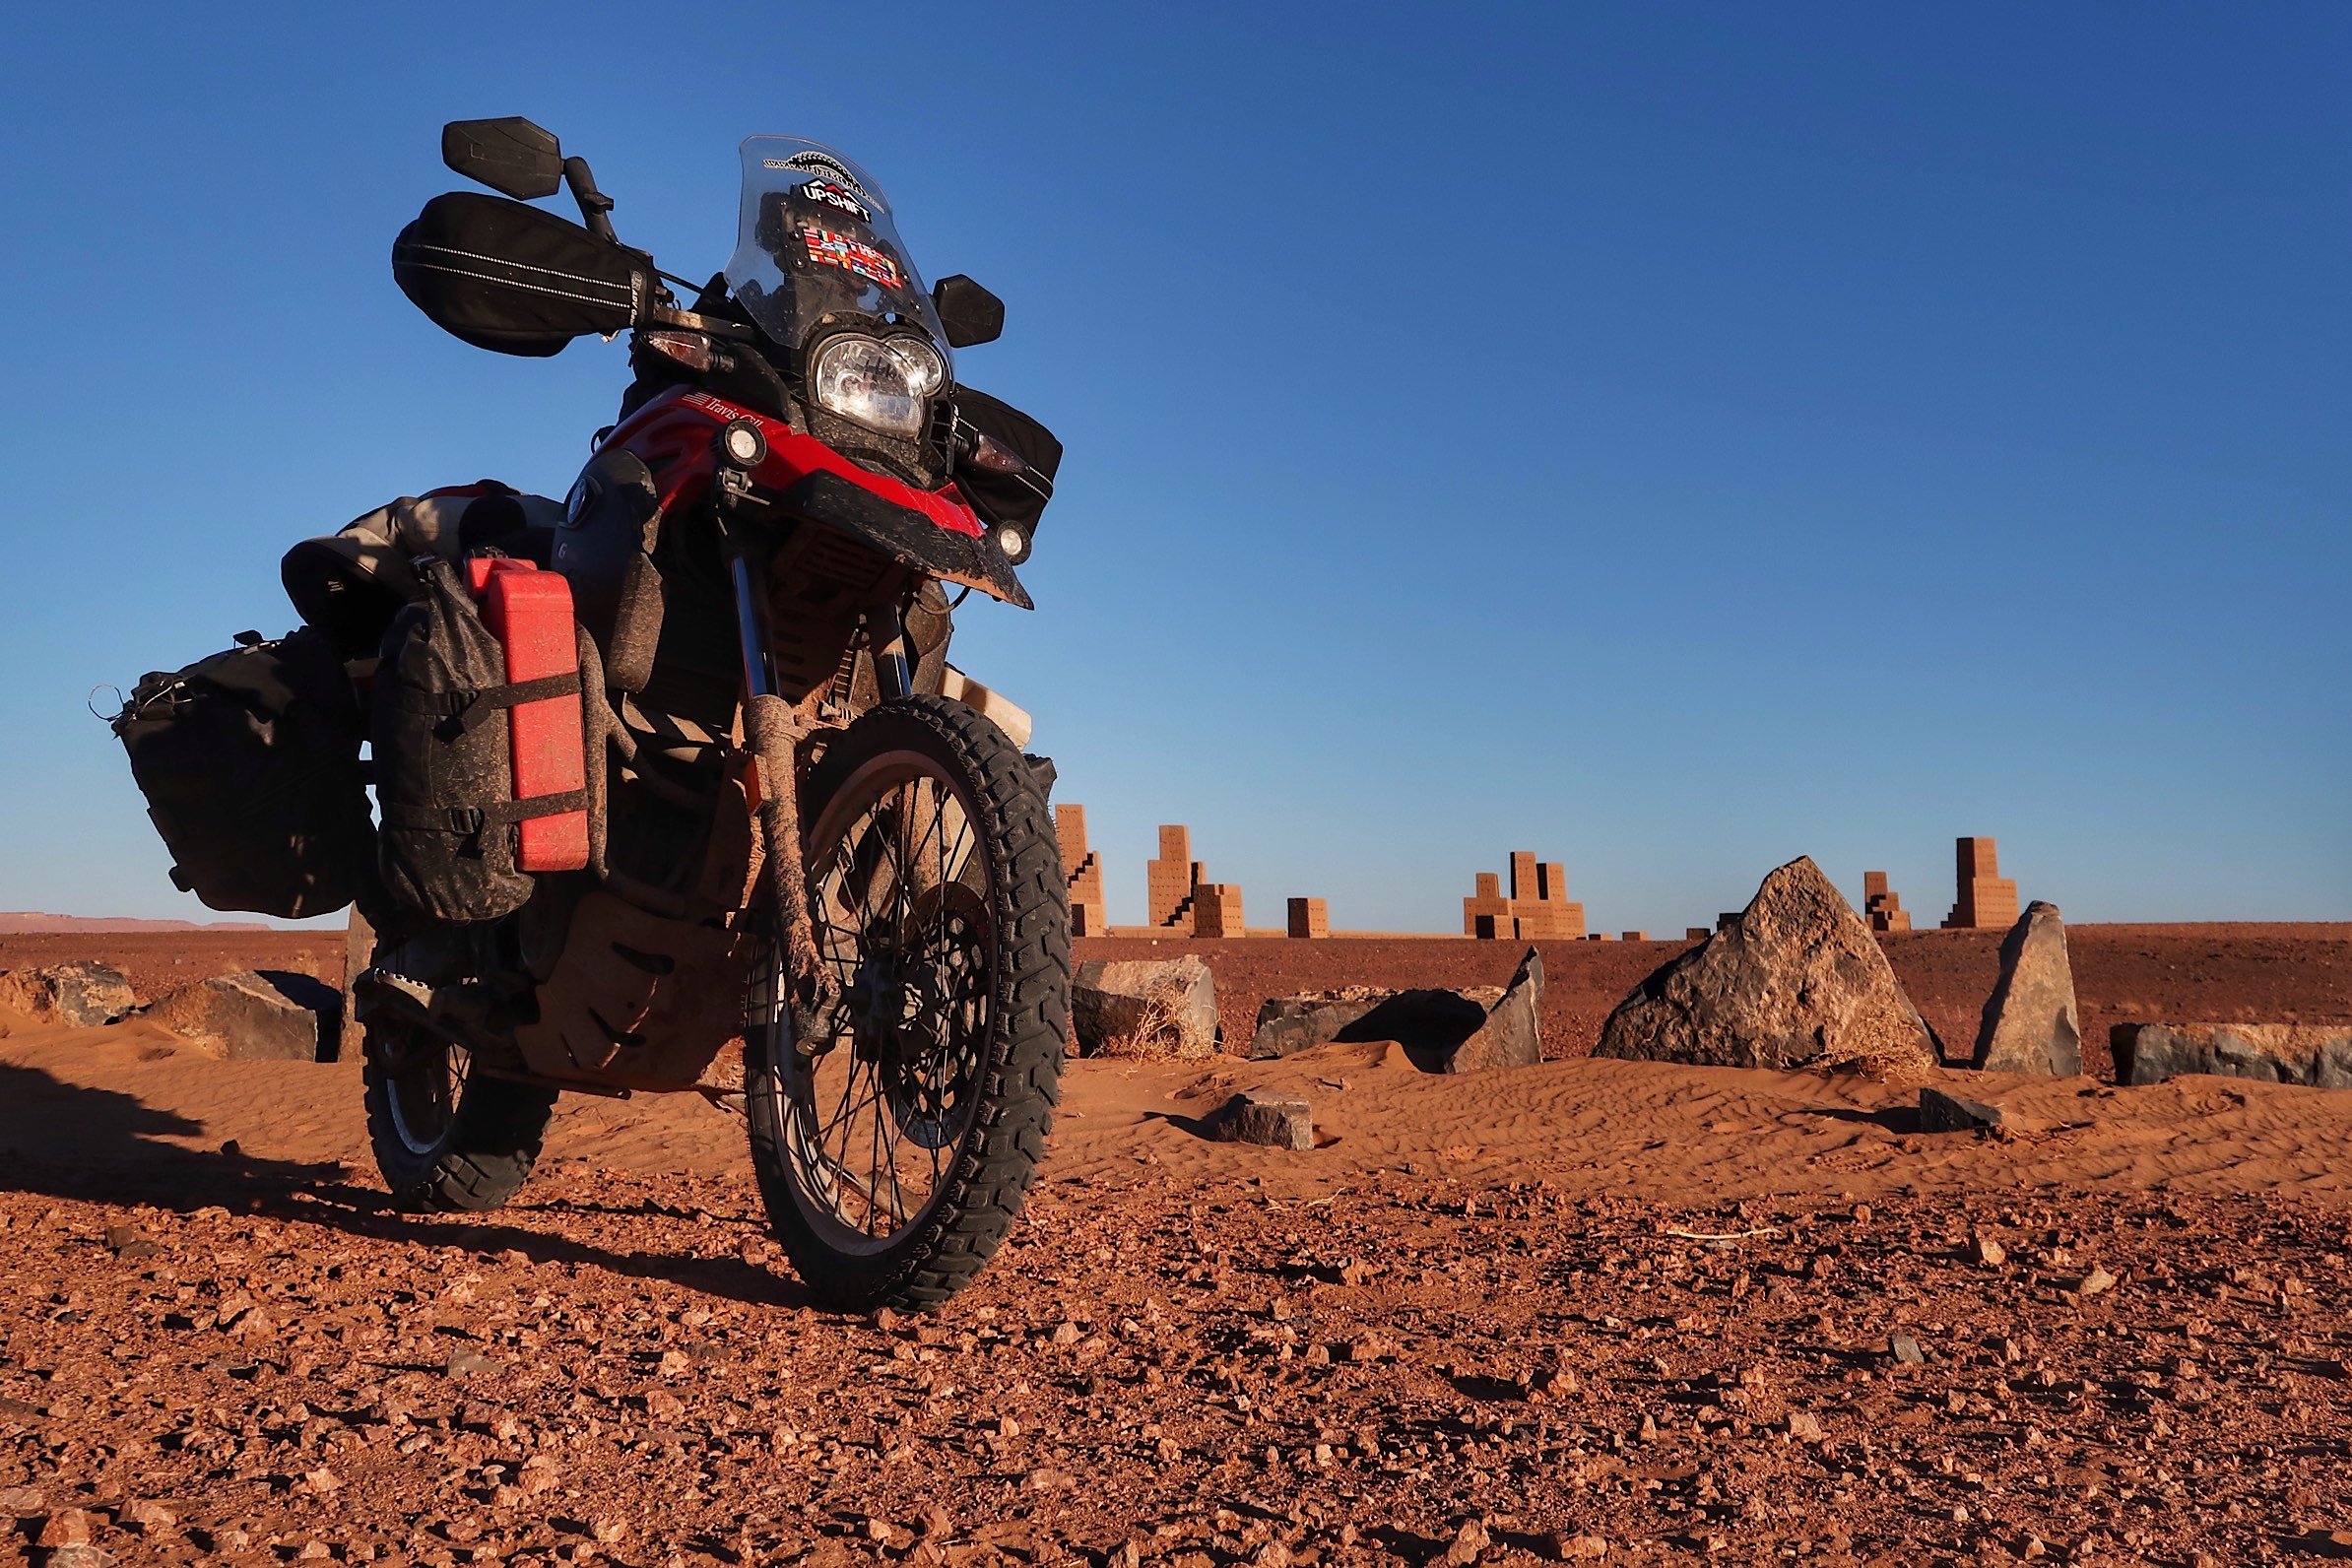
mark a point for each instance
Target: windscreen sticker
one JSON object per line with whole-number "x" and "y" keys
{"x": 819, "y": 163}
{"x": 828, "y": 249}
{"x": 834, "y": 196}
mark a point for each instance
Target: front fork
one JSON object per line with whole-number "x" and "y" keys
{"x": 774, "y": 733}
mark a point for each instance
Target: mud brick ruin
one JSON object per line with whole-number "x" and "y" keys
{"x": 1169, "y": 880}
{"x": 1884, "y": 907}
{"x": 1089, "y": 912}
{"x": 1988, "y": 901}
{"x": 1537, "y": 910}
{"x": 1310, "y": 917}
{"x": 1216, "y": 911}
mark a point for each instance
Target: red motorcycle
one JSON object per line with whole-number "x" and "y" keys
{"x": 743, "y": 794}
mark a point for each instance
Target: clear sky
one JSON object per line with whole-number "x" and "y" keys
{"x": 1672, "y": 438}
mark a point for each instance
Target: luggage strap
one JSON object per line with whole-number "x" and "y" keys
{"x": 463, "y": 712}
{"x": 474, "y": 820}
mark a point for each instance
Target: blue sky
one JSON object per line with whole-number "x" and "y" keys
{"x": 1672, "y": 438}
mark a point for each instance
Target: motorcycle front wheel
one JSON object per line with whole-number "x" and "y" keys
{"x": 895, "y": 1144}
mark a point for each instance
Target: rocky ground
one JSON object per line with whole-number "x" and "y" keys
{"x": 1588, "y": 1310}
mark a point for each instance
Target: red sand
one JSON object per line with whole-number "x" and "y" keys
{"x": 1591, "y": 1310}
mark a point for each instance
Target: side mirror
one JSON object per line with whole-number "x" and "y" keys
{"x": 512, "y": 156}
{"x": 970, "y": 314}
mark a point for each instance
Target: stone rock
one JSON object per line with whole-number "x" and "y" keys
{"x": 1441, "y": 1031}
{"x": 1795, "y": 979}
{"x": 246, "y": 1016}
{"x": 68, "y": 1526}
{"x": 1256, "y": 1116}
{"x": 1509, "y": 1036}
{"x": 1294, "y": 1023}
{"x": 82, "y": 994}
{"x": 2313, "y": 1055}
{"x": 1949, "y": 1113}
{"x": 2030, "y": 1024}
{"x": 1144, "y": 1007}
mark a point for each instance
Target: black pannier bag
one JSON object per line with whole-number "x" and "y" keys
{"x": 444, "y": 774}
{"x": 250, "y": 764}
{"x": 1013, "y": 498}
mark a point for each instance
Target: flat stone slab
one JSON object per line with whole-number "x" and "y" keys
{"x": 2313, "y": 1055}
{"x": 1441, "y": 1031}
{"x": 1255, "y": 1116}
{"x": 1952, "y": 1113}
{"x": 1288, "y": 1024}
{"x": 248, "y": 1016}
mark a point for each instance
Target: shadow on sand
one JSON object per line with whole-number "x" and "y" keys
{"x": 64, "y": 1140}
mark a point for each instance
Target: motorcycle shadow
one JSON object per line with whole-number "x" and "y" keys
{"x": 90, "y": 1144}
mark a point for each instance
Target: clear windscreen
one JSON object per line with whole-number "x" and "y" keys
{"x": 815, "y": 248}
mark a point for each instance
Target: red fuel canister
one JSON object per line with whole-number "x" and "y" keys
{"x": 530, "y": 612}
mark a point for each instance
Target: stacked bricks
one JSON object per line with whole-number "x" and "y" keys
{"x": 1216, "y": 911}
{"x": 1884, "y": 907}
{"x": 1988, "y": 901}
{"x": 1696, "y": 933}
{"x": 1081, "y": 871}
{"x": 1168, "y": 880}
{"x": 1310, "y": 917}
{"x": 1540, "y": 898}
{"x": 1633, "y": 936}
{"x": 1487, "y": 913}
{"x": 1537, "y": 910}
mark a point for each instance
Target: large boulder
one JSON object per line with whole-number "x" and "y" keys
{"x": 1794, "y": 980}
{"x": 1441, "y": 1031}
{"x": 2030, "y": 1024}
{"x": 245, "y": 1016}
{"x": 1144, "y": 1007}
{"x": 82, "y": 994}
{"x": 2315, "y": 1055}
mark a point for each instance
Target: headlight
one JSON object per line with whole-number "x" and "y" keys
{"x": 884, "y": 383}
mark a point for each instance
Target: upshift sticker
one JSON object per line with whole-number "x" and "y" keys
{"x": 828, "y": 249}
{"x": 835, "y": 196}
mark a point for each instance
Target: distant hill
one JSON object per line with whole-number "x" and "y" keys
{"x": 14, "y": 923}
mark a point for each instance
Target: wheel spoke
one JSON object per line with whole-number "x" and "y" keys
{"x": 878, "y": 1105}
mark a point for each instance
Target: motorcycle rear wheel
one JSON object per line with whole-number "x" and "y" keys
{"x": 445, "y": 1136}
{"x": 895, "y": 1147}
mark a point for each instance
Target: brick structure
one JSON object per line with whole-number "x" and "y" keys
{"x": 1988, "y": 901}
{"x": 1633, "y": 936}
{"x": 1487, "y": 913}
{"x": 1081, "y": 871}
{"x": 1537, "y": 909}
{"x": 1696, "y": 933}
{"x": 1168, "y": 880}
{"x": 1881, "y": 906}
{"x": 1216, "y": 911}
{"x": 1310, "y": 917}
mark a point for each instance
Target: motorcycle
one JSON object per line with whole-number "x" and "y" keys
{"x": 800, "y": 827}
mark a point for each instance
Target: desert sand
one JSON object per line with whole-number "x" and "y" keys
{"x": 1587, "y": 1310}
